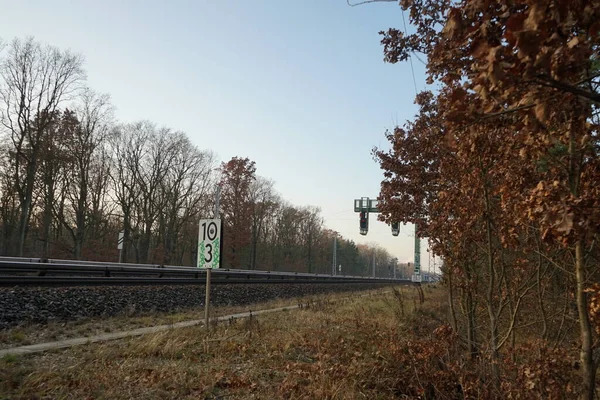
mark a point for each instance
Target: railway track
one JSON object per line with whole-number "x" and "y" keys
{"x": 15, "y": 271}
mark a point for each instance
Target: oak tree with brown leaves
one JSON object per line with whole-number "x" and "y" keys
{"x": 513, "y": 184}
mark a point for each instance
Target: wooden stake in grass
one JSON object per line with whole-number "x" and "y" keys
{"x": 207, "y": 299}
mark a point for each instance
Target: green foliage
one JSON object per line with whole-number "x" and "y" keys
{"x": 10, "y": 358}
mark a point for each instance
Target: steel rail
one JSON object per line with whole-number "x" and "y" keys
{"x": 40, "y": 272}
{"x": 69, "y": 281}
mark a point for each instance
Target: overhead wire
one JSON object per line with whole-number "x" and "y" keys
{"x": 412, "y": 69}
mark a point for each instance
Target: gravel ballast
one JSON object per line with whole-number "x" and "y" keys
{"x": 24, "y": 305}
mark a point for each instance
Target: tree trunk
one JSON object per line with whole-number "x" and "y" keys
{"x": 491, "y": 284}
{"x": 588, "y": 368}
{"x": 126, "y": 233}
{"x": 470, "y": 309}
{"x": 80, "y": 217}
{"x": 144, "y": 247}
{"x": 26, "y": 199}
{"x": 79, "y": 237}
{"x": 8, "y": 231}
{"x": 47, "y": 222}
{"x": 23, "y": 222}
{"x": 540, "y": 294}
{"x": 453, "y": 320}
{"x": 48, "y": 204}
{"x": 168, "y": 246}
{"x": 471, "y": 329}
{"x": 310, "y": 266}
{"x": 491, "y": 312}
{"x": 254, "y": 246}
{"x": 586, "y": 356}
{"x": 144, "y": 241}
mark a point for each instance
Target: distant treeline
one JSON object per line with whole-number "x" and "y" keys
{"x": 72, "y": 177}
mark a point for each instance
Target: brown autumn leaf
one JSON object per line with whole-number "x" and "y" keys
{"x": 536, "y": 15}
{"x": 541, "y": 111}
{"x": 573, "y": 42}
{"x": 542, "y": 59}
{"x": 515, "y": 22}
{"x": 565, "y": 225}
{"x": 453, "y": 25}
{"x": 528, "y": 43}
{"x": 479, "y": 49}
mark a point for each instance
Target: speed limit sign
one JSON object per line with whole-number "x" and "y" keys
{"x": 209, "y": 243}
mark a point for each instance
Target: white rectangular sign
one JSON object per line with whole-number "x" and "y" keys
{"x": 121, "y": 240}
{"x": 209, "y": 243}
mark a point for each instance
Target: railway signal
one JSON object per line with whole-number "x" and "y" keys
{"x": 395, "y": 228}
{"x": 364, "y": 206}
{"x": 364, "y": 222}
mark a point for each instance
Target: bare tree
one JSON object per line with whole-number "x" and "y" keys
{"x": 35, "y": 80}
{"x": 94, "y": 114}
{"x": 311, "y": 227}
{"x": 263, "y": 202}
{"x": 127, "y": 148}
{"x": 158, "y": 157}
{"x": 184, "y": 191}
{"x": 101, "y": 207}
{"x": 54, "y": 160}
{"x": 288, "y": 237}
{"x": 9, "y": 201}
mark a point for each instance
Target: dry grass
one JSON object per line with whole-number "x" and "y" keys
{"x": 342, "y": 350}
{"x": 53, "y": 331}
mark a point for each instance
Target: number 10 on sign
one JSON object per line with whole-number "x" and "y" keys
{"x": 209, "y": 243}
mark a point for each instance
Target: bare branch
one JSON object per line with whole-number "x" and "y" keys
{"x": 544, "y": 80}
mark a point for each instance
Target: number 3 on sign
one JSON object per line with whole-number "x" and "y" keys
{"x": 209, "y": 243}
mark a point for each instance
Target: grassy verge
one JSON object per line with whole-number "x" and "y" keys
{"x": 345, "y": 349}
{"x": 36, "y": 333}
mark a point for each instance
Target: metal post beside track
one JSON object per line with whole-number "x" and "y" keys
{"x": 214, "y": 253}
{"x": 207, "y": 299}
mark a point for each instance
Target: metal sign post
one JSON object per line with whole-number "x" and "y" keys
{"x": 210, "y": 242}
{"x": 417, "y": 267}
{"x": 373, "y": 263}
{"x": 334, "y": 254}
{"x": 120, "y": 241}
{"x": 207, "y": 300}
{"x": 209, "y": 254}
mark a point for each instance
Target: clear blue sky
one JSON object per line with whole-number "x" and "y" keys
{"x": 300, "y": 87}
